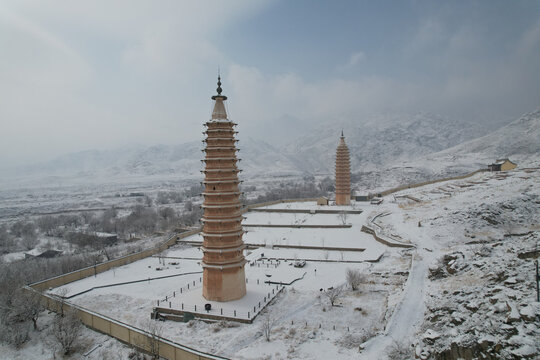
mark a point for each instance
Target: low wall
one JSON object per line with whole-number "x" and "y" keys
{"x": 298, "y": 226}
{"x": 412, "y": 186}
{"x": 138, "y": 338}
{"x": 304, "y": 211}
{"x": 275, "y": 202}
{"x": 371, "y": 231}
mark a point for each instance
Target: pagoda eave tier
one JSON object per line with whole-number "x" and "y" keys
{"x": 222, "y": 220}
{"x": 216, "y": 182}
{"x": 222, "y": 267}
{"x": 220, "y": 159}
{"x": 220, "y": 206}
{"x": 214, "y": 122}
{"x": 222, "y": 234}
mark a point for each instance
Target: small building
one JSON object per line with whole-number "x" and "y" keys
{"x": 323, "y": 200}
{"x": 106, "y": 238}
{"x": 362, "y": 197}
{"x": 47, "y": 254}
{"x": 502, "y": 165}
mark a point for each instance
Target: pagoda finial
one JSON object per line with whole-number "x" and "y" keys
{"x": 342, "y": 133}
{"x": 219, "y": 89}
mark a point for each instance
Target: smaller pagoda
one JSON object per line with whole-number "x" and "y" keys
{"x": 343, "y": 173}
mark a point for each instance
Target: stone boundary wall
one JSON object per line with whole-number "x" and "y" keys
{"x": 412, "y": 186}
{"x": 275, "y": 202}
{"x": 371, "y": 231}
{"x": 135, "y": 337}
{"x": 302, "y": 211}
{"x": 299, "y": 226}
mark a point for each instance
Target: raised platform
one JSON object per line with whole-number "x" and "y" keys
{"x": 187, "y": 303}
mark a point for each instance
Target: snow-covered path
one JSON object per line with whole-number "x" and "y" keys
{"x": 410, "y": 310}
{"x": 407, "y": 314}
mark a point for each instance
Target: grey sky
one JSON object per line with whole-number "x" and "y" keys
{"x": 98, "y": 74}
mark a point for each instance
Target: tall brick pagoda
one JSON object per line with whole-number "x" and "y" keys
{"x": 343, "y": 173}
{"x": 223, "y": 260}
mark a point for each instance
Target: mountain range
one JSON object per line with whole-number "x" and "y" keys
{"x": 431, "y": 144}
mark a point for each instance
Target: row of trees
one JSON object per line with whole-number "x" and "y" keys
{"x": 142, "y": 220}
{"x": 20, "y": 309}
{"x": 308, "y": 188}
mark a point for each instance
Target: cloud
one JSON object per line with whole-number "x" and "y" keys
{"x": 356, "y": 58}
{"x": 79, "y": 75}
{"x": 257, "y": 99}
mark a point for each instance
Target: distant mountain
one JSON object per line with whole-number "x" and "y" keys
{"x": 381, "y": 141}
{"x": 384, "y": 150}
{"x": 520, "y": 139}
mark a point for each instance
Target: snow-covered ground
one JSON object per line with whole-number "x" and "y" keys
{"x": 42, "y": 345}
{"x": 467, "y": 287}
{"x": 302, "y": 314}
{"x": 479, "y": 299}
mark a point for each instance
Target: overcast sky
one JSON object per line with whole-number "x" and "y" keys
{"x": 77, "y": 75}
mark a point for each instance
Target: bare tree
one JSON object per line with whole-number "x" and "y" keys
{"x": 332, "y": 294}
{"x": 154, "y": 330}
{"x": 267, "y": 324}
{"x": 399, "y": 350}
{"x": 6, "y": 240}
{"x": 29, "y": 240}
{"x": 66, "y": 330}
{"x": 61, "y": 298}
{"x": 27, "y": 306}
{"x": 354, "y": 278}
{"x": 343, "y": 217}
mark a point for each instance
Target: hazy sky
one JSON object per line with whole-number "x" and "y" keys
{"x": 77, "y": 75}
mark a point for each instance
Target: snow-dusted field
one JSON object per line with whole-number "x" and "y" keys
{"x": 466, "y": 287}
{"x": 302, "y": 314}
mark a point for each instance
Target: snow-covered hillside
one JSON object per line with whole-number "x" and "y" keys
{"x": 519, "y": 140}
{"x": 385, "y": 151}
{"x": 380, "y": 140}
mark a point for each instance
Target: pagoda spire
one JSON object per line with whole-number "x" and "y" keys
{"x": 343, "y": 173}
{"x": 219, "y": 112}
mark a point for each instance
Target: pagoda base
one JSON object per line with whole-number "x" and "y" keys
{"x": 343, "y": 199}
{"x": 224, "y": 285}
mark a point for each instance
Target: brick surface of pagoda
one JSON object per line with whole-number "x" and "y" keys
{"x": 343, "y": 173}
{"x": 223, "y": 258}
